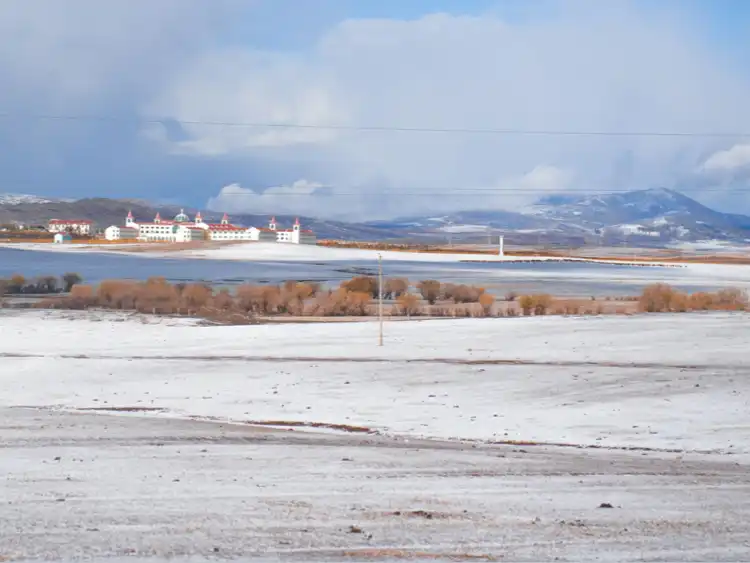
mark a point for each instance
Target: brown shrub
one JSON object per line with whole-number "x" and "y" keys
{"x": 731, "y": 299}
{"x": 362, "y": 284}
{"x": 194, "y": 296}
{"x": 223, "y": 301}
{"x": 462, "y": 293}
{"x": 156, "y": 296}
{"x": 117, "y": 294}
{"x": 487, "y": 301}
{"x": 657, "y": 298}
{"x": 701, "y": 301}
{"x": 408, "y": 305}
{"x": 395, "y": 288}
{"x": 539, "y": 304}
{"x": 81, "y": 297}
{"x": 430, "y": 290}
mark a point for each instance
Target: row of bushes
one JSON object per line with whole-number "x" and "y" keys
{"x": 662, "y": 298}
{"x": 19, "y": 285}
{"x": 353, "y": 298}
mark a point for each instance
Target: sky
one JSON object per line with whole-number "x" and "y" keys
{"x": 166, "y": 100}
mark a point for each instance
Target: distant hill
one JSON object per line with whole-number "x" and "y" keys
{"x": 648, "y": 217}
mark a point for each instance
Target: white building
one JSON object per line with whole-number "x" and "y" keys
{"x": 120, "y": 233}
{"x": 75, "y": 226}
{"x": 61, "y": 238}
{"x": 181, "y": 229}
{"x": 223, "y": 230}
{"x": 189, "y": 233}
{"x": 295, "y": 235}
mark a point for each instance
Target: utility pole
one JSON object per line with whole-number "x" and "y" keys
{"x": 380, "y": 298}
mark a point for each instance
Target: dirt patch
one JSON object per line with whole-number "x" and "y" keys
{"x": 299, "y": 424}
{"x": 375, "y": 554}
{"x": 122, "y": 409}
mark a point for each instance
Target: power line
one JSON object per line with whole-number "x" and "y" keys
{"x": 463, "y": 192}
{"x": 375, "y": 128}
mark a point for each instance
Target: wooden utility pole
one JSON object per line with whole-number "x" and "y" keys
{"x": 380, "y": 299}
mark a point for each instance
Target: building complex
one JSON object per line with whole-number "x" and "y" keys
{"x": 183, "y": 229}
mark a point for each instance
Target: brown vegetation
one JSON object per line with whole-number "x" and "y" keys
{"x": 663, "y": 298}
{"x": 354, "y": 298}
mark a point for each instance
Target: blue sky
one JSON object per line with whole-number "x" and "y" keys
{"x": 672, "y": 65}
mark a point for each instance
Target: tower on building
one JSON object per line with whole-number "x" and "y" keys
{"x": 129, "y": 220}
{"x": 225, "y": 219}
{"x": 157, "y": 219}
{"x": 272, "y": 225}
{"x": 198, "y": 218}
{"x": 296, "y": 224}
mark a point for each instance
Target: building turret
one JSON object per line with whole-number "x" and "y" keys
{"x": 157, "y": 219}
{"x": 225, "y": 219}
{"x": 296, "y": 224}
{"x": 272, "y": 225}
{"x": 198, "y": 218}
{"x": 129, "y": 220}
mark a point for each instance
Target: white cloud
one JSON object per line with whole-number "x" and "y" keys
{"x": 294, "y": 198}
{"x": 735, "y": 158}
{"x": 597, "y": 69}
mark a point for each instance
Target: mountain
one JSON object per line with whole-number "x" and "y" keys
{"x": 654, "y": 217}
{"x": 17, "y": 199}
{"x": 658, "y": 214}
{"x": 29, "y": 210}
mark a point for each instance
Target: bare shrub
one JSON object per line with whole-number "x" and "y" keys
{"x": 70, "y": 279}
{"x": 511, "y": 296}
{"x": 362, "y": 284}
{"x": 539, "y": 304}
{"x": 657, "y": 298}
{"x": 81, "y": 297}
{"x": 430, "y": 290}
{"x": 462, "y": 293}
{"x": 194, "y": 296}
{"x": 156, "y": 296}
{"x": 542, "y": 303}
{"x": 408, "y": 305}
{"x": 731, "y": 299}
{"x": 395, "y": 288}
{"x": 526, "y": 302}
{"x": 223, "y": 301}
{"x": 486, "y": 301}
{"x": 702, "y": 301}
{"x": 117, "y": 294}
{"x": 15, "y": 284}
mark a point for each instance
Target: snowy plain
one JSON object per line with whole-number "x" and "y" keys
{"x": 642, "y": 381}
{"x": 496, "y": 439}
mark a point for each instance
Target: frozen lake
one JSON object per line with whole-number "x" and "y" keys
{"x": 561, "y": 278}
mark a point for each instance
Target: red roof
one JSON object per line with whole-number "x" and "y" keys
{"x": 70, "y": 222}
{"x": 220, "y": 227}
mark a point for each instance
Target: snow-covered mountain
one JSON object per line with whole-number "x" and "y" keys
{"x": 18, "y": 199}
{"x": 655, "y": 216}
{"x": 649, "y": 217}
{"x": 660, "y": 214}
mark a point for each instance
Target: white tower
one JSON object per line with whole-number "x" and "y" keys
{"x": 129, "y": 220}
{"x": 225, "y": 219}
{"x": 296, "y": 225}
{"x": 198, "y": 218}
{"x": 272, "y": 225}
{"x": 501, "y": 246}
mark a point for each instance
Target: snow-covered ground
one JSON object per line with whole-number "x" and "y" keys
{"x": 644, "y": 381}
{"x": 179, "y": 484}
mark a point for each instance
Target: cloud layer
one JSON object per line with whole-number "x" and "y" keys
{"x": 576, "y": 67}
